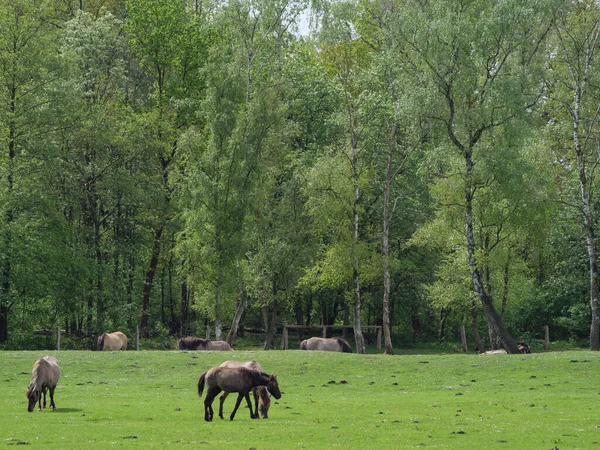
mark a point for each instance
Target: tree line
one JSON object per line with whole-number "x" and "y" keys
{"x": 175, "y": 165}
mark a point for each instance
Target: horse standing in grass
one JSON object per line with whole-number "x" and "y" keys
{"x": 237, "y": 379}
{"x": 112, "y": 341}
{"x": 44, "y": 376}
{"x": 262, "y": 397}
{"x": 326, "y": 345}
{"x": 194, "y": 343}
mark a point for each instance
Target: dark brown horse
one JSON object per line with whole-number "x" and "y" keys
{"x": 238, "y": 379}
{"x": 112, "y": 341}
{"x": 326, "y": 345}
{"x": 44, "y": 376}
{"x": 194, "y": 343}
{"x": 262, "y": 397}
{"x": 523, "y": 347}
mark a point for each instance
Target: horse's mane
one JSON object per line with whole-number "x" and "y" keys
{"x": 256, "y": 375}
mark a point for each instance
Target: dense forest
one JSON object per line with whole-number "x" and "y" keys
{"x": 183, "y": 165}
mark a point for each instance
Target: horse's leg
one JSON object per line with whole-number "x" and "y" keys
{"x": 255, "y": 392}
{"x": 210, "y": 396}
{"x": 252, "y": 415}
{"x": 221, "y": 401}
{"x": 44, "y": 392}
{"x": 237, "y": 404}
{"x": 52, "y": 405}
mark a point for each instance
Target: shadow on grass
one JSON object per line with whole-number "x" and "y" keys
{"x": 67, "y": 410}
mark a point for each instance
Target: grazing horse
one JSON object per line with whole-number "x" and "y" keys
{"x": 326, "y": 345}
{"x": 237, "y": 379}
{"x": 262, "y": 397}
{"x": 44, "y": 376}
{"x": 194, "y": 343}
{"x": 112, "y": 341}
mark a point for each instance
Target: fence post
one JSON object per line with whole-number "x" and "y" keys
{"x": 547, "y": 338}
{"x": 378, "y": 338}
{"x": 137, "y": 337}
{"x": 58, "y": 339}
{"x": 284, "y": 337}
{"x": 324, "y": 331}
{"x": 463, "y": 338}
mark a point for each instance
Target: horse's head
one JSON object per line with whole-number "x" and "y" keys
{"x": 264, "y": 401}
{"x": 33, "y": 395}
{"x": 100, "y": 345}
{"x": 273, "y": 387}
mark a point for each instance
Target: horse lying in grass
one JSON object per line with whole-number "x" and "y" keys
{"x": 523, "y": 348}
{"x": 237, "y": 379}
{"x": 194, "y": 343}
{"x": 112, "y": 341}
{"x": 44, "y": 376}
{"x": 326, "y": 345}
{"x": 262, "y": 397}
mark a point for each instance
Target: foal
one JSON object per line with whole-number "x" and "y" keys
{"x": 238, "y": 379}
{"x": 262, "y": 398}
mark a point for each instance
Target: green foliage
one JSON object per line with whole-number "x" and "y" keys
{"x": 184, "y": 152}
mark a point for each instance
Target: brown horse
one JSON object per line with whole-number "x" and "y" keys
{"x": 262, "y": 397}
{"x": 523, "y": 347}
{"x": 44, "y": 376}
{"x": 194, "y": 343}
{"x": 112, "y": 341}
{"x": 237, "y": 379}
{"x": 326, "y": 345}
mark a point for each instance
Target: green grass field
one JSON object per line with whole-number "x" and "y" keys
{"x": 148, "y": 399}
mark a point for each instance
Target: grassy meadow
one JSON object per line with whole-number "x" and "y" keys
{"x": 148, "y": 399}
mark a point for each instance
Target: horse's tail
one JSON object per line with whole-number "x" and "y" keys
{"x": 344, "y": 346}
{"x": 201, "y": 384}
{"x": 101, "y": 342}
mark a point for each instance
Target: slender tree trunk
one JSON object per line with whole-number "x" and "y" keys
{"x": 270, "y": 326}
{"x": 586, "y": 201}
{"x": 299, "y": 320}
{"x": 100, "y": 276}
{"x": 475, "y": 327}
{"x": 488, "y": 288}
{"x": 505, "y": 286}
{"x": 488, "y": 306}
{"x": 591, "y": 248}
{"x": 237, "y": 317}
{"x": 4, "y": 310}
{"x": 185, "y": 313}
{"x": 386, "y": 243}
{"x": 358, "y": 335}
{"x": 442, "y": 328}
{"x": 149, "y": 281}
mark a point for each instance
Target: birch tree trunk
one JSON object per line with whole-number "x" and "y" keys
{"x": 358, "y": 336}
{"x": 239, "y": 312}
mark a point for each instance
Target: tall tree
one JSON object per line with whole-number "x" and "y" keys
{"x": 25, "y": 74}
{"x": 169, "y": 39}
{"x": 573, "y": 89}
{"x": 479, "y": 59}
